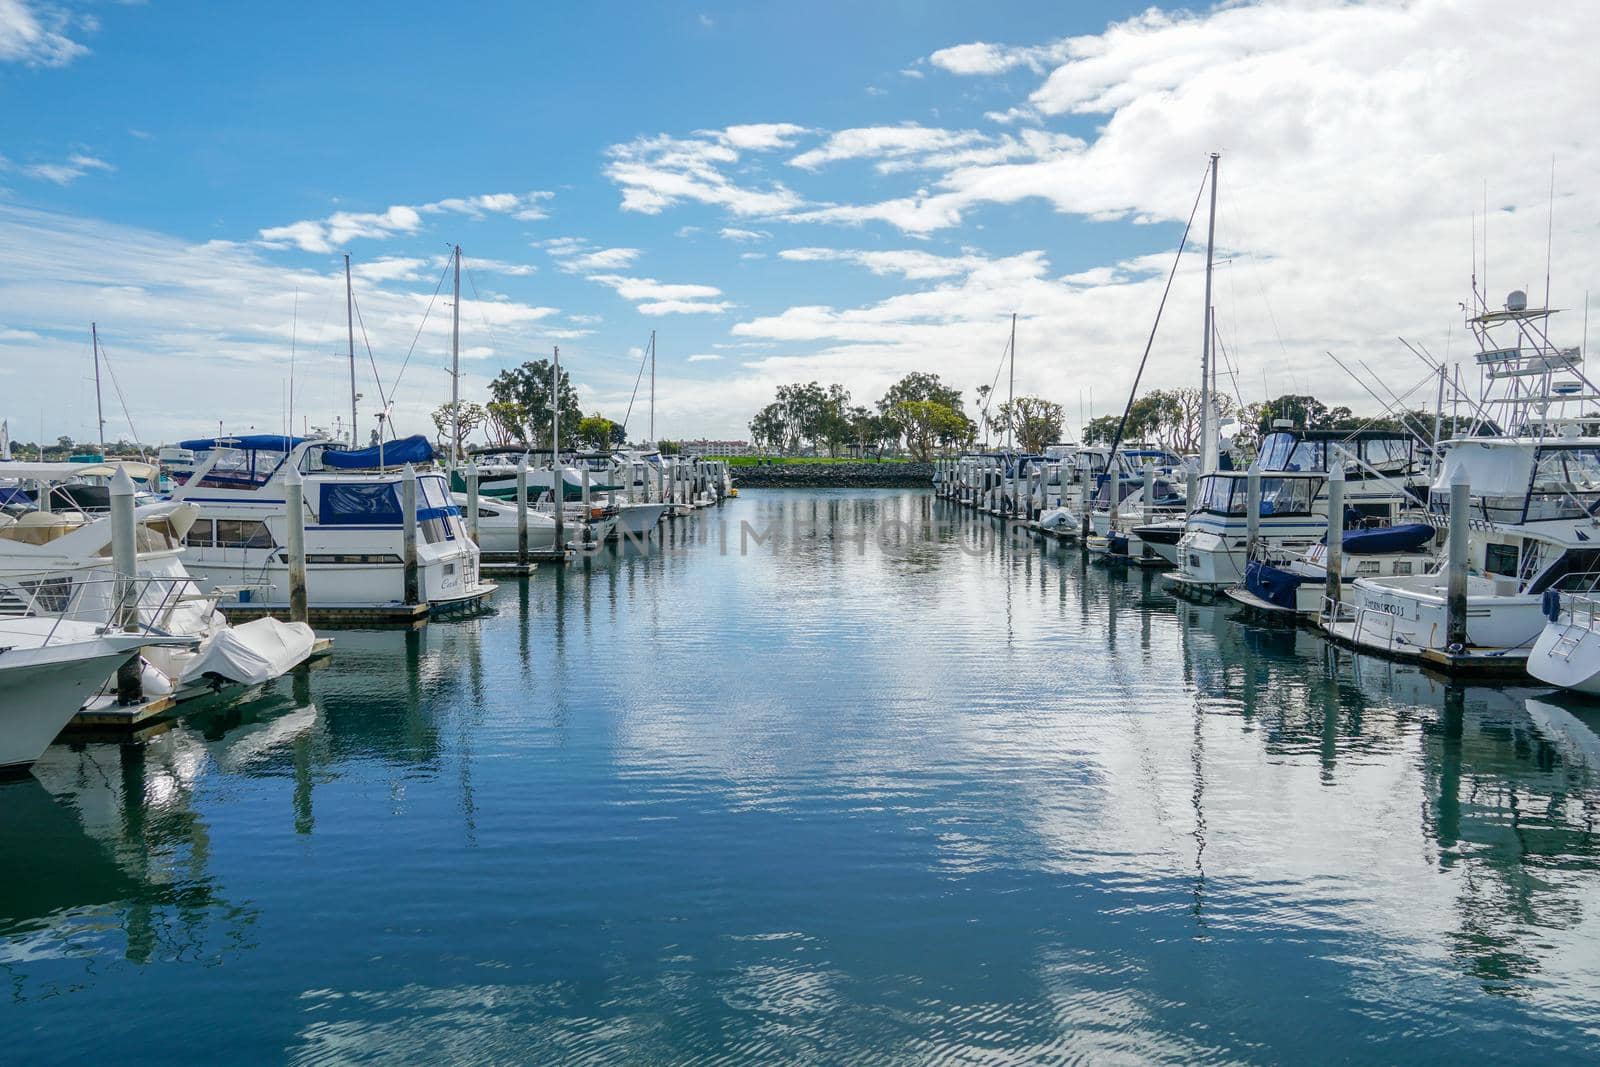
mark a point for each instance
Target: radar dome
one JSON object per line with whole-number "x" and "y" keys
{"x": 1517, "y": 301}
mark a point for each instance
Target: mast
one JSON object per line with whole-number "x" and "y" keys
{"x": 455, "y": 366}
{"x": 99, "y": 411}
{"x": 1208, "y": 428}
{"x": 652, "y": 387}
{"x": 555, "y": 407}
{"x": 350, "y": 327}
{"x": 1011, "y": 385}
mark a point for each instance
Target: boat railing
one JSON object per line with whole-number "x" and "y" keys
{"x": 65, "y": 598}
{"x": 1368, "y": 626}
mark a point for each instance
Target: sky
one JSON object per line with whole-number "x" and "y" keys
{"x": 781, "y": 192}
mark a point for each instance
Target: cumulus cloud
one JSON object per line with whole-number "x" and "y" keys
{"x": 907, "y": 263}
{"x": 339, "y": 229}
{"x": 703, "y": 357}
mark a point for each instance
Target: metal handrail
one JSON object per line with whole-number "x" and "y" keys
{"x": 126, "y": 593}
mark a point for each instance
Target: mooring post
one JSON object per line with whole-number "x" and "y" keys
{"x": 1456, "y": 605}
{"x": 125, "y": 567}
{"x": 559, "y": 481}
{"x": 1191, "y": 489}
{"x": 294, "y": 499}
{"x": 587, "y": 496}
{"x": 1252, "y": 518}
{"x": 472, "y": 502}
{"x": 1334, "y": 586}
{"x": 522, "y": 513}
{"x": 408, "y": 507}
{"x": 1149, "y": 493}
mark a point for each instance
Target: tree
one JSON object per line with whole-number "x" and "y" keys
{"x": 1032, "y": 421}
{"x": 1303, "y": 412}
{"x": 870, "y": 430}
{"x": 522, "y": 403}
{"x": 462, "y": 419}
{"x": 928, "y": 422}
{"x": 767, "y": 429}
{"x": 832, "y": 426}
{"x": 918, "y": 387}
{"x": 1100, "y": 429}
{"x": 598, "y": 432}
{"x": 669, "y": 448}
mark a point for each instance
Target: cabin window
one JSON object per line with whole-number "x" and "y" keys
{"x": 200, "y": 534}
{"x": 1402, "y": 566}
{"x": 360, "y": 504}
{"x": 1387, "y": 454}
{"x": 436, "y": 530}
{"x": 1500, "y": 559}
{"x": 243, "y": 533}
{"x": 1566, "y": 484}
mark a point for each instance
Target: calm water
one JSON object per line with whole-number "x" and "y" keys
{"x": 829, "y": 800}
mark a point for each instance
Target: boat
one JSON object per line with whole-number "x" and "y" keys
{"x": 1567, "y": 651}
{"x": 1295, "y": 586}
{"x": 48, "y": 668}
{"x": 354, "y": 528}
{"x": 1382, "y": 469}
{"x": 1533, "y": 481}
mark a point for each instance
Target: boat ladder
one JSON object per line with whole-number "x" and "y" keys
{"x": 1571, "y": 637}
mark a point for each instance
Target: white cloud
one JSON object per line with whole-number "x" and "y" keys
{"x": 339, "y": 229}
{"x": 907, "y": 263}
{"x": 878, "y": 142}
{"x": 64, "y": 173}
{"x": 655, "y": 173}
{"x": 651, "y": 297}
{"x": 180, "y": 318}
{"x": 703, "y": 357}
{"x": 733, "y": 233}
{"x": 34, "y": 35}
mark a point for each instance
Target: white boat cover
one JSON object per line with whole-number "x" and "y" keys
{"x": 252, "y": 652}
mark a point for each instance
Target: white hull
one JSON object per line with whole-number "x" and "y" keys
{"x": 42, "y": 688}
{"x": 1409, "y": 616}
{"x": 1568, "y": 656}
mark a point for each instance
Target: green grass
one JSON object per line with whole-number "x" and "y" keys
{"x": 800, "y": 461}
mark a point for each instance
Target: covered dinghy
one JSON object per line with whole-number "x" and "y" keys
{"x": 1388, "y": 540}
{"x": 413, "y": 449}
{"x": 252, "y": 652}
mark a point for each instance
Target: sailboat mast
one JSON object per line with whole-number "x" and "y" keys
{"x": 99, "y": 411}
{"x": 652, "y": 387}
{"x": 350, "y": 328}
{"x": 1011, "y": 385}
{"x": 555, "y": 407}
{"x": 1208, "y": 428}
{"x": 455, "y": 366}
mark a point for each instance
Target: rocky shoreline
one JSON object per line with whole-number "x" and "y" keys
{"x": 835, "y": 476}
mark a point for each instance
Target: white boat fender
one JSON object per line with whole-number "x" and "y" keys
{"x": 153, "y": 680}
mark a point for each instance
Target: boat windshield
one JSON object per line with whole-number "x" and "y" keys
{"x": 1283, "y": 451}
{"x": 1228, "y": 495}
{"x": 1566, "y": 484}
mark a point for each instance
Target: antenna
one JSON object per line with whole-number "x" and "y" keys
{"x": 1011, "y": 384}
{"x": 294, "y": 334}
{"x": 1549, "y": 230}
{"x": 455, "y": 365}
{"x": 652, "y": 387}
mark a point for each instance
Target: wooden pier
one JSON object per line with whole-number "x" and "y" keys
{"x": 114, "y": 717}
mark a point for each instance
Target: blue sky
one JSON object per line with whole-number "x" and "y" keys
{"x": 788, "y": 192}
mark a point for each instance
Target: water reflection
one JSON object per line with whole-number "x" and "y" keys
{"x": 894, "y": 786}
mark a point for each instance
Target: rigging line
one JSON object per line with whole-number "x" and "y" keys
{"x": 494, "y": 342}
{"x": 1255, "y": 273}
{"x": 426, "y": 312}
{"x": 1122, "y": 423}
{"x": 644, "y": 354}
{"x": 989, "y": 398}
{"x": 120, "y": 399}
{"x": 370, "y": 359}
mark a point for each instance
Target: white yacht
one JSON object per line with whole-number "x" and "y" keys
{"x": 354, "y": 525}
{"x": 1567, "y": 652}
{"x": 48, "y": 668}
{"x": 1381, "y": 470}
{"x": 1534, "y": 491}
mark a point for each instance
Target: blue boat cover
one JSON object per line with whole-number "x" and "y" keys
{"x": 263, "y": 442}
{"x": 360, "y": 504}
{"x": 1273, "y": 584}
{"x": 1406, "y": 537}
{"x": 413, "y": 449}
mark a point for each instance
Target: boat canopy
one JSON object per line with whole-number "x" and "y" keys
{"x": 1493, "y": 468}
{"x": 61, "y": 472}
{"x": 263, "y": 442}
{"x": 413, "y": 449}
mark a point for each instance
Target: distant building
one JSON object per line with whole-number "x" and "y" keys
{"x": 703, "y": 447}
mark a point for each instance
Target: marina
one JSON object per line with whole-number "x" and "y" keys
{"x": 1282, "y": 845}
{"x": 799, "y": 534}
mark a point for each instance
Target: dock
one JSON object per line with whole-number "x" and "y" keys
{"x": 113, "y": 717}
